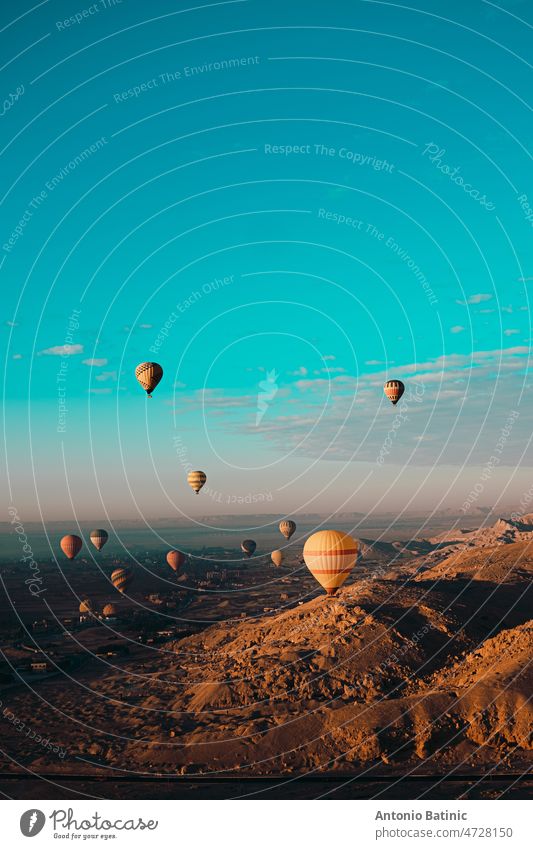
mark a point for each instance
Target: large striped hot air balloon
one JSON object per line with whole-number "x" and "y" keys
{"x": 394, "y": 390}
{"x": 330, "y": 557}
{"x": 277, "y": 557}
{"x": 196, "y": 480}
{"x": 99, "y": 537}
{"x": 71, "y": 545}
{"x": 287, "y": 528}
{"x": 121, "y": 579}
{"x": 248, "y": 546}
{"x": 149, "y": 375}
{"x": 175, "y": 559}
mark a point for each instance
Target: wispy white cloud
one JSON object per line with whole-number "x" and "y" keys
{"x": 63, "y": 350}
{"x": 457, "y": 328}
{"x": 511, "y": 332}
{"x": 17, "y": 356}
{"x": 301, "y": 371}
{"x": 475, "y": 299}
{"x": 106, "y": 391}
{"x": 107, "y": 375}
{"x": 95, "y": 362}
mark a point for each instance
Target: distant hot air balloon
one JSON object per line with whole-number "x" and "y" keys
{"x": 99, "y": 537}
{"x": 277, "y": 557}
{"x": 121, "y": 579}
{"x": 330, "y": 557}
{"x": 71, "y": 545}
{"x": 196, "y": 480}
{"x": 86, "y": 606}
{"x": 394, "y": 390}
{"x": 109, "y": 610}
{"x": 175, "y": 559}
{"x": 287, "y": 528}
{"x": 149, "y": 375}
{"x": 248, "y": 546}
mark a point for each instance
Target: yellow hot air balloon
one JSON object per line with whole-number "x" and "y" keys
{"x": 149, "y": 375}
{"x": 277, "y": 557}
{"x": 86, "y": 606}
{"x": 196, "y": 480}
{"x": 394, "y": 390}
{"x": 287, "y": 528}
{"x": 121, "y": 579}
{"x": 71, "y": 545}
{"x": 330, "y": 557}
{"x": 99, "y": 537}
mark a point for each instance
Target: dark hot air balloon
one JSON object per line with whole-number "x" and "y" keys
{"x": 248, "y": 546}
{"x": 394, "y": 390}
{"x": 99, "y": 537}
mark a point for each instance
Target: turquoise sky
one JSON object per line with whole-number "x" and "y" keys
{"x": 284, "y": 204}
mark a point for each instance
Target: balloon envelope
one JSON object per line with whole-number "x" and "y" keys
{"x": 99, "y": 537}
{"x": 248, "y": 546}
{"x": 149, "y": 375}
{"x": 277, "y": 557}
{"x": 196, "y": 480}
{"x": 71, "y": 545}
{"x": 330, "y": 557}
{"x": 394, "y": 390}
{"x": 175, "y": 559}
{"x": 121, "y": 579}
{"x": 287, "y": 528}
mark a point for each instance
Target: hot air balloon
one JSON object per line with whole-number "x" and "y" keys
{"x": 99, "y": 537}
{"x": 175, "y": 559}
{"x": 287, "y": 528}
{"x": 86, "y": 606}
{"x": 196, "y": 480}
{"x": 149, "y": 375}
{"x": 277, "y": 557}
{"x": 121, "y": 579}
{"x": 330, "y": 557}
{"x": 394, "y": 390}
{"x": 71, "y": 545}
{"x": 248, "y": 546}
{"x": 109, "y": 610}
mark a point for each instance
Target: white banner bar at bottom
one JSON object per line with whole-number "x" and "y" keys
{"x": 241, "y": 824}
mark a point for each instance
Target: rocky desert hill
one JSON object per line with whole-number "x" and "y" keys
{"x": 404, "y": 670}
